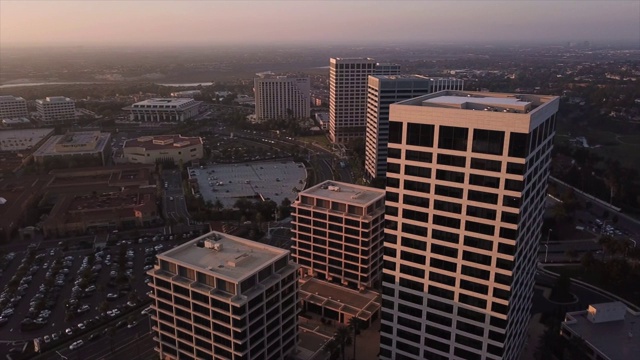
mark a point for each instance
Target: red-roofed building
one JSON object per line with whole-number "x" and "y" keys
{"x": 160, "y": 148}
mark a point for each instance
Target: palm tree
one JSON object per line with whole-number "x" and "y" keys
{"x": 332, "y": 347}
{"x": 218, "y": 205}
{"x": 354, "y": 324}
{"x": 343, "y": 337}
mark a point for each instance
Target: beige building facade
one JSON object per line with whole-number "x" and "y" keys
{"x": 160, "y": 148}
{"x": 466, "y": 183}
{"x": 13, "y": 107}
{"x": 224, "y": 297}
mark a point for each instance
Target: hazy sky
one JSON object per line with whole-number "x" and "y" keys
{"x": 113, "y": 22}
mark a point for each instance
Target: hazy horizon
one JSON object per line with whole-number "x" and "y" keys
{"x": 278, "y": 23}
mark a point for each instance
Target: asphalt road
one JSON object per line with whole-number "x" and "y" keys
{"x": 174, "y": 204}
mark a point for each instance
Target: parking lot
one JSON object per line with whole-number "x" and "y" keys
{"x": 273, "y": 180}
{"x": 55, "y": 296}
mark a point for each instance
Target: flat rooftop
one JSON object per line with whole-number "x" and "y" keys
{"x": 618, "y": 340}
{"x": 5, "y": 98}
{"x": 22, "y": 139}
{"x": 166, "y": 101}
{"x": 345, "y": 192}
{"x": 237, "y": 259}
{"x": 340, "y": 298}
{"x": 162, "y": 142}
{"x": 78, "y": 138}
{"x": 470, "y": 100}
{"x": 49, "y": 147}
{"x": 274, "y": 180}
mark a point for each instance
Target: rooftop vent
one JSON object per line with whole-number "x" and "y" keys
{"x": 212, "y": 244}
{"x": 334, "y": 188}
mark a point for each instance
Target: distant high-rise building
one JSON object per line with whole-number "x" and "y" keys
{"x": 466, "y": 185}
{"x": 56, "y": 110}
{"x": 282, "y": 97}
{"x": 384, "y": 90}
{"x": 348, "y": 95}
{"x": 224, "y": 297}
{"x": 13, "y": 107}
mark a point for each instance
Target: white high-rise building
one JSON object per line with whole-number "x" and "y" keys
{"x": 466, "y": 184}
{"x": 348, "y": 95}
{"x": 56, "y": 110}
{"x": 384, "y": 90}
{"x": 282, "y": 97}
{"x": 13, "y": 107}
{"x": 224, "y": 297}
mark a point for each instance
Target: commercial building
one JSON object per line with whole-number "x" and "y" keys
{"x": 23, "y": 139}
{"x": 608, "y": 331}
{"x": 56, "y": 110}
{"x": 338, "y": 231}
{"x": 282, "y": 97}
{"x": 88, "y": 147}
{"x": 224, "y": 297}
{"x": 77, "y": 214}
{"x": 160, "y": 148}
{"x": 164, "y": 110}
{"x": 12, "y": 107}
{"x": 384, "y": 90}
{"x": 466, "y": 184}
{"x": 348, "y": 95}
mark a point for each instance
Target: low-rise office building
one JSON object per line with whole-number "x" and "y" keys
{"x": 224, "y": 297}
{"x": 164, "y": 110}
{"x": 161, "y": 148}
{"x": 609, "y": 331}
{"x": 12, "y": 107}
{"x": 88, "y": 147}
{"x": 56, "y": 110}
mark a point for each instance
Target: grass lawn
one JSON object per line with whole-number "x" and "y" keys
{"x": 319, "y": 139}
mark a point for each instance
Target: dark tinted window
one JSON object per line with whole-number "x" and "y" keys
{"x": 453, "y": 138}
{"x": 488, "y": 141}
{"x": 452, "y": 160}
{"x": 395, "y": 132}
{"x": 420, "y": 134}
{"x": 484, "y": 164}
{"x": 518, "y": 145}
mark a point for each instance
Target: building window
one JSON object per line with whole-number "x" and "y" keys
{"x": 395, "y": 132}
{"x": 488, "y": 141}
{"x": 453, "y": 138}
{"x": 420, "y": 134}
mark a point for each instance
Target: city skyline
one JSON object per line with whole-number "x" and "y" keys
{"x": 117, "y": 23}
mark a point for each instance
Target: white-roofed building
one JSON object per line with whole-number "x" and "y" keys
{"x": 13, "y": 107}
{"x": 164, "y": 110}
{"x": 56, "y": 110}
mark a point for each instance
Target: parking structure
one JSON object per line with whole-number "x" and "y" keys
{"x": 273, "y": 180}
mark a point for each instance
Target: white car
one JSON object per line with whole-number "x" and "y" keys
{"x": 69, "y": 331}
{"x": 81, "y": 326}
{"x": 76, "y": 345}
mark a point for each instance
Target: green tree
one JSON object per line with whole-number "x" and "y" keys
{"x": 572, "y": 254}
{"x": 332, "y": 347}
{"x": 343, "y": 337}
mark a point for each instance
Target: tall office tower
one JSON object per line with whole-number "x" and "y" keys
{"x": 348, "y": 95}
{"x": 224, "y": 297}
{"x": 13, "y": 107}
{"x": 282, "y": 97}
{"x": 56, "y": 110}
{"x": 384, "y": 90}
{"x": 338, "y": 231}
{"x": 466, "y": 183}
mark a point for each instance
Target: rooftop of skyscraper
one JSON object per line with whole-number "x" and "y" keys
{"x": 469, "y": 100}
{"x": 224, "y": 255}
{"x": 348, "y": 193}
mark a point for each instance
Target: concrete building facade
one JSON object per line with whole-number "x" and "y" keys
{"x": 164, "y": 110}
{"x": 466, "y": 183}
{"x": 282, "y": 97}
{"x": 224, "y": 297}
{"x": 384, "y": 90}
{"x": 159, "y": 148}
{"x": 348, "y": 95}
{"x": 338, "y": 231}
{"x": 56, "y": 110}
{"x": 12, "y": 107}
{"x": 94, "y": 146}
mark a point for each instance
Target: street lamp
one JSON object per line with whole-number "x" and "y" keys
{"x": 546, "y": 246}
